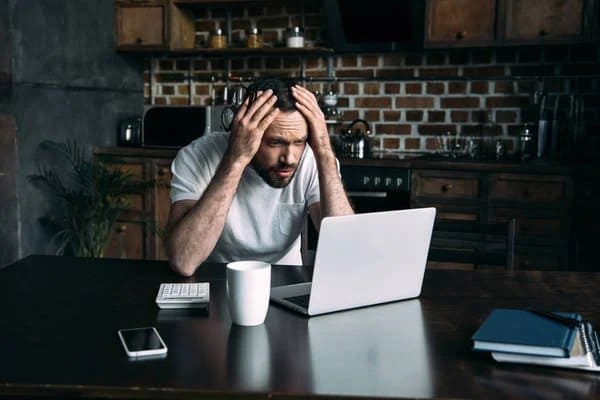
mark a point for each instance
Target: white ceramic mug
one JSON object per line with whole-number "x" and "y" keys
{"x": 248, "y": 291}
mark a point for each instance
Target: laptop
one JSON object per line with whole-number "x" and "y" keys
{"x": 364, "y": 259}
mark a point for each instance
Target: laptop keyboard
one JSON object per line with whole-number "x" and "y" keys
{"x": 302, "y": 301}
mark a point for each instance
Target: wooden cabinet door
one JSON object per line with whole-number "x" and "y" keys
{"x": 126, "y": 240}
{"x": 460, "y": 22}
{"x": 162, "y": 205}
{"x": 141, "y": 25}
{"x": 541, "y": 20}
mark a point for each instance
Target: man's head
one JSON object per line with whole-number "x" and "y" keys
{"x": 284, "y": 140}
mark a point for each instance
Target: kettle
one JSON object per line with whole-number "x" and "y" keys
{"x": 356, "y": 139}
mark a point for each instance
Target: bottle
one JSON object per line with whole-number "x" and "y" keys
{"x": 526, "y": 149}
{"x": 254, "y": 38}
{"x": 295, "y": 37}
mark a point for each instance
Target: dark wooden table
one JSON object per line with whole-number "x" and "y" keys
{"x": 60, "y": 316}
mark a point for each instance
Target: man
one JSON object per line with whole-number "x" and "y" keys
{"x": 245, "y": 195}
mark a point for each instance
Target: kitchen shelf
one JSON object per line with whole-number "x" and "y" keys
{"x": 259, "y": 52}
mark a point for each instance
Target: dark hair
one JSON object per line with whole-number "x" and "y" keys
{"x": 282, "y": 88}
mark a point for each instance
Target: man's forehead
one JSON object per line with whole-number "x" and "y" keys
{"x": 288, "y": 125}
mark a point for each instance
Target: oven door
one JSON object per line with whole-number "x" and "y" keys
{"x": 364, "y": 201}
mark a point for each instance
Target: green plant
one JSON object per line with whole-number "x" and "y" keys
{"x": 87, "y": 198}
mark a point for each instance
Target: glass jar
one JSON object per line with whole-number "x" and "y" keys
{"x": 217, "y": 40}
{"x": 254, "y": 38}
{"x": 295, "y": 37}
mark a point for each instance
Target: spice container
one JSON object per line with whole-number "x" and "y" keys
{"x": 526, "y": 145}
{"x": 254, "y": 38}
{"x": 217, "y": 39}
{"x": 295, "y": 37}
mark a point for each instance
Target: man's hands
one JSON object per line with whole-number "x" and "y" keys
{"x": 249, "y": 126}
{"x": 309, "y": 107}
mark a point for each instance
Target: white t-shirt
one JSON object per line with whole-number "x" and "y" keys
{"x": 264, "y": 222}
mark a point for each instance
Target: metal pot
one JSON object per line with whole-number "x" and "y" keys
{"x": 356, "y": 142}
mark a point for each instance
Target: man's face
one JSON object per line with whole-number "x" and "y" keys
{"x": 281, "y": 148}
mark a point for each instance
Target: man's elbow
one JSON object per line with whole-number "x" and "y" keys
{"x": 182, "y": 268}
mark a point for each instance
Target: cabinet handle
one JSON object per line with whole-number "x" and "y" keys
{"x": 460, "y": 35}
{"x": 122, "y": 228}
{"x": 542, "y": 33}
{"x": 138, "y": 40}
{"x": 447, "y": 187}
{"x": 163, "y": 171}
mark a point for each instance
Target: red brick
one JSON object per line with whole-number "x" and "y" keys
{"x": 435, "y": 88}
{"x": 372, "y": 102}
{"x": 371, "y": 88}
{"x": 431, "y": 144}
{"x": 313, "y": 62}
{"x": 393, "y": 129}
{"x": 242, "y": 24}
{"x": 480, "y": 87}
{"x": 350, "y": 115}
{"x": 391, "y": 143}
{"x": 483, "y": 72}
{"x": 272, "y": 22}
{"x": 413, "y": 88}
{"x": 392, "y": 60}
{"x": 503, "y": 116}
{"x": 391, "y": 115}
{"x": 350, "y": 88}
{"x": 476, "y": 130}
{"x": 372, "y": 115}
{"x": 254, "y": 63}
{"x": 414, "y": 115}
{"x": 414, "y": 102}
{"x": 392, "y": 88}
{"x": 436, "y": 129}
{"x": 343, "y": 102}
{"x": 459, "y": 102}
{"x": 237, "y": 64}
{"x": 503, "y": 87}
{"x": 459, "y": 116}
{"x": 412, "y": 143}
{"x": 534, "y": 70}
{"x": 217, "y": 64}
{"x": 291, "y": 62}
{"x": 168, "y": 77}
{"x": 457, "y": 87}
{"x": 160, "y": 100}
{"x": 355, "y": 73}
{"x": 506, "y": 102}
{"x": 348, "y": 61}
{"x": 316, "y": 73}
{"x": 369, "y": 61}
{"x": 413, "y": 59}
{"x": 436, "y": 116}
{"x": 201, "y": 89}
{"x": 204, "y": 26}
{"x": 183, "y": 89}
{"x": 273, "y": 62}
{"x": 435, "y": 58}
{"x": 435, "y": 72}
{"x": 180, "y": 101}
{"x": 392, "y": 74}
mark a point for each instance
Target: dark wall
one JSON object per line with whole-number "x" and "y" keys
{"x": 68, "y": 82}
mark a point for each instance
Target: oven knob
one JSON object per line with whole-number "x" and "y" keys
{"x": 399, "y": 182}
{"x": 377, "y": 181}
{"x": 366, "y": 180}
{"x": 388, "y": 181}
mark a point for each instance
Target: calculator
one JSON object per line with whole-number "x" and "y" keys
{"x": 183, "y": 295}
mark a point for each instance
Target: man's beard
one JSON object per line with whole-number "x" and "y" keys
{"x": 269, "y": 174}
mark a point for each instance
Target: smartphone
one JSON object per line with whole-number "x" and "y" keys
{"x": 142, "y": 342}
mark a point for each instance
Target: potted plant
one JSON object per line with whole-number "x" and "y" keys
{"x": 87, "y": 198}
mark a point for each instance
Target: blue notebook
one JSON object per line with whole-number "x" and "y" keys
{"x": 523, "y": 332}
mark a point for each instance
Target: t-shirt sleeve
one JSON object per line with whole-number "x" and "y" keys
{"x": 312, "y": 194}
{"x": 191, "y": 174}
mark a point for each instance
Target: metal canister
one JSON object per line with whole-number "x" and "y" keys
{"x": 217, "y": 40}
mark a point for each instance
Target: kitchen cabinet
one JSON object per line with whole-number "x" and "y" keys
{"x": 543, "y": 20}
{"x": 540, "y": 203}
{"x": 460, "y": 22}
{"x": 137, "y": 233}
{"x": 152, "y": 25}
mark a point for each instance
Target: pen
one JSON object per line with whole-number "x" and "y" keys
{"x": 568, "y": 321}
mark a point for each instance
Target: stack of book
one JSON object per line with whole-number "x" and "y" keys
{"x": 531, "y": 336}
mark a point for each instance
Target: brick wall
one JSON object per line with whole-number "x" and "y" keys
{"x": 408, "y": 98}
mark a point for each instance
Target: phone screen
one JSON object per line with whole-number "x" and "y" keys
{"x": 141, "y": 339}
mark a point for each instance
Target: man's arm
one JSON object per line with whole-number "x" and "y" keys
{"x": 194, "y": 227}
{"x": 333, "y": 197}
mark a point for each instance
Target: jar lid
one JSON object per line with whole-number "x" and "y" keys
{"x": 218, "y": 32}
{"x": 295, "y": 29}
{"x": 254, "y": 31}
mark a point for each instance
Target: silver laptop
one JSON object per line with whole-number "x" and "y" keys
{"x": 364, "y": 259}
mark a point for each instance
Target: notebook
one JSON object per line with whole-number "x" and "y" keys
{"x": 364, "y": 259}
{"x": 523, "y": 332}
{"x": 524, "y": 337}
